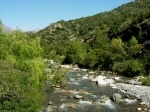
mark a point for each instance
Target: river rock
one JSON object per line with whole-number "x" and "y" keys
{"x": 84, "y": 92}
{"x": 77, "y": 96}
{"x": 109, "y": 81}
{"x": 71, "y": 105}
{"x": 91, "y": 77}
{"x": 49, "y": 109}
{"x": 117, "y": 78}
{"x": 78, "y": 75}
{"x": 92, "y": 72}
{"x": 143, "y": 103}
{"x": 100, "y": 80}
{"x": 103, "y": 99}
{"x": 85, "y": 77}
{"x": 116, "y": 97}
{"x": 113, "y": 86}
{"x": 85, "y": 102}
{"x": 50, "y": 103}
{"x": 139, "y": 109}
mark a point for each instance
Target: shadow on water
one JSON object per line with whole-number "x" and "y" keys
{"x": 64, "y": 100}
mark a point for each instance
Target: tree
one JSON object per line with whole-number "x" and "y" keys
{"x": 117, "y": 46}
{"x": 134, "y": 47}
{"x": 21, "y": 71}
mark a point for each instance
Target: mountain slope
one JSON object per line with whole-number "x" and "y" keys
{"x": 6, "y": 28}
{"x": 117, "y": 40}
{"x": 87, "y": 27}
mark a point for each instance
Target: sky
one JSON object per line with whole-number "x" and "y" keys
{"x": 28, "y": 15}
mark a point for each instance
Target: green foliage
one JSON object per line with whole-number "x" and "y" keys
{"x": 133, "y": 47}
{"x": 58, "y": 77}
{"x": 146, "y": 81}
{"x": 21, "y": 72}
{"x": 75, "y": 53}
{"x": 91, "y": 59}
{"x": 116, "y": 40}
{"x": 16, "y": 91}
{"x": 117, "y": 46}
{"x": 129, "y": 68}
{"x": 35, "y": 67}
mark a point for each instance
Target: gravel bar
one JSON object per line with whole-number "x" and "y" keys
{"x": 141, "y": 92}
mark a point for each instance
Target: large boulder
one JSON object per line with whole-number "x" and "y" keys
{"x": 100, "y": 80}
{"x": 116, "y": 97}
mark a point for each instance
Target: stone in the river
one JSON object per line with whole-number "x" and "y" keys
{"x": 139, "y": 109}
{"x": 91, "y": 72}
{"x": 109, "y": 81}
{"x": 116, "y": 97}
{"x": 71, "y": 105}
{"x": 49, "y": 109}
{"x": 103, "y": 99}
{"x": 100, "y": 80}
{"x": 117, "y": 78}
{"x": 113, "y": 86}
{"x": 78, "y": 75}
{"x": 84, "y": 92}
{"x": 77, "y": 96}
{"x": 143, "y": 103}
{"x": 127, "y": 96}
{"x": 91, "y": 77}
{"x": 57, "y": 86}
{"x": 50, "y": 103}
{"x": 138, "y": 97}
{"x": 84, "y": 77}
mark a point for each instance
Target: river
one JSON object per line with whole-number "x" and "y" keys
{"x": 82, "y": 95}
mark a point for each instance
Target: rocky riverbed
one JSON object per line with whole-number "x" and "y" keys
{"x": 98, "y": 92}
{"x": 141, "y": 92}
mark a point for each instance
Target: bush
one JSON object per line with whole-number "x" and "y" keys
{"x": 21, "y": 72}
{"x": 17, "y": 94}
{"x": 146, "y": 81}
{"x": 58, "y": 77}
{"x": 129, "y": 68}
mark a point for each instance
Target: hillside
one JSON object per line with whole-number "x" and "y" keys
{"x": 118, "y": 19}
{"x": 6, "y": 28}
{"x": 108, "y": 40}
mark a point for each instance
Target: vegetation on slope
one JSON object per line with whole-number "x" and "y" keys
{"x": 117, "y": 40}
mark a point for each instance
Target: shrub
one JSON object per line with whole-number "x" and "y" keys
{"x": 146, "y": 81}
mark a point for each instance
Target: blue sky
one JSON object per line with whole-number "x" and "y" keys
{"x": 33, "y": 14}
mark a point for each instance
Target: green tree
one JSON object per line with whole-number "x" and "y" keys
{"x": 134, "y": 47}
{"x": 117, "y": 46}
{"x": 21, "y": 72}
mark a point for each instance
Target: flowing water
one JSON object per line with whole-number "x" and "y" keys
{"x": 65, "y": 99}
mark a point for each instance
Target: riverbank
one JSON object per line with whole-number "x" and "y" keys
{"x": 141, "y": 92}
